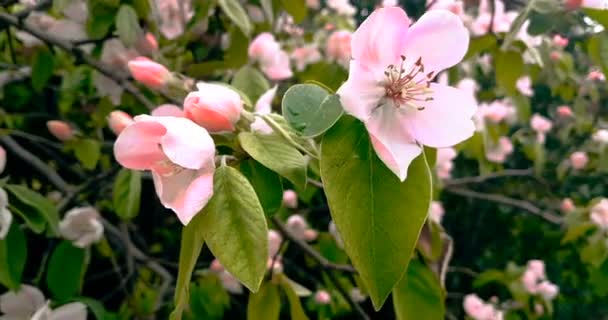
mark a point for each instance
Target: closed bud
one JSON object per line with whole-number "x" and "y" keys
{"x": 578, "y": 160}
{"x": 567, "y": 205}
{"x": 148, "y": 72}
{"x": 297, "y": 226}
{"x": 322, "y": 297}
{"x": 214, "y": 107}
{"x": 60, "y": 129}
{"x": 290, "y": 199}
{"x": 564, "y": 111}
{"x": 118, "y": 120}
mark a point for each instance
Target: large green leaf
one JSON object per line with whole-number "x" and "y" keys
{"x": 267, "y": 185}
{"x": 191, "y": 246}
{"x": 42, "y": 69}
{"x": 378, "y": 216}
{"x": 35, "y": 209}
{"x": 419, "y": 294}
{"x": 274, "y": 153}
{"x": 310, "y": 109}
{"x": 295, "y": 306}
{"x": 13, "y": 255}
{"x": 127, "y": 25}
{"x": 251, "y": 82}
{"x": 236, "y": 13}
{"x": 65, "y": 272}
{"x": 509, "y": 67}
{"x": 87, "y": 151}
{"x": 127, "y": 193}
{"x": 234, "y": 227}
{"x": 264, "y": 304}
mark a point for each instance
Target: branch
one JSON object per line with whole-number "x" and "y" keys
{"x": 479, "y": 179}
{"x": 347, "y": 296}
{"x": 326, "y": 264}
{"x": 521, "y": 204}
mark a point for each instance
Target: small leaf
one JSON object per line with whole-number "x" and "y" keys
{"x": 127, "y": 193}
{"x": 191, "y": 246}
{"x": 96, "y": 308}
{"x": 480, "y": 44}
{"x": 264, "y": 304}
{"x": 296, "y": 8}
{"x": 35, "y": 209}
{"x": 378, "y": 217}
{"x": 310, "y": 109}
{"x": 419, "y": 294}
{"x": 295, "y": 305}
{"x": 236, "y": 13}
{"x": 509, "y": 67}
{"x": 65, "y": 271}
{"x": 267, "y": 185}
{"x": 13, "y": 255}
{"x": 42, "y": 69}
{"x": 87, "y": 151}
{"x": 275, "y": 154}
{"x": 127, "y": 25}
{"x": 251, "y": 82}
{"x": 267, "y": 7}
{"x": 234, "y": 227}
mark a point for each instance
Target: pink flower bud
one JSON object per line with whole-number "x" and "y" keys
{"x": 290, "y": 199}
{"x": 560, "y": 41}
{"x": 148, "y": 72}
{"x": 564, "y": 111}
{"x": 555, "y": 56}
{"x": 215, "y": 107}
{"x": 310, "y": 235}
{"x": 118, "y": 120}
{"x": 596, "y": 75}
{"x": 60, "y": 129}
{"x": 567, "y": 205}
{"x": 530, "y": 281}
{"x": 537, "y": 267}
{"x": 216, "y": 266}
{"x": 297, "y": 226}
{"x": 322, "y": 297}
{"x": 274, "y": 243}
{"x": 313, "y": 4}
{"x": 548, "y": 290}
{"x": 436, "y": 212}
{"x": 168, "y": 110}
{"x": 263, "y": 45}
{"x": 599, "y": 214}
{"x": 338, "y": 46}
{"x": 2, "y": 159}
{"x": 578, "y": 160}
{"x": 540, "y": 124}
{"x": 147, "y": 44}
{"x": 572, "y": 4}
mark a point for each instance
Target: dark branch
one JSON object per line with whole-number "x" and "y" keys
{"x": 483, "y": 178}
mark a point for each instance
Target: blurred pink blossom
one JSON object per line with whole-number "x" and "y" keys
{"x": 174, "y": 14}
{"x": 274, "y": 62}
{"x": 599, "y": 214}
{"x": 479, "y": 310}
{"x": 541, "y": 126}
{"x": 579, "y": 160}
{"x": 263, "y": 107}
{"x": 322, "y": 297}
{"x": 290, "y": 199}
{"x": 305, "y": 55}
{"x": 560, "y": 41}
{"x": 342, "y": 7}
{"x": 567, "y": 205}
{"x": 444, "y": 163}
{"x": 147, "y": 44}
{"x": 596, "y": 75}
{"x": 501, "y": 151}
{"x": 436, "y": 212}
{"x": 60, "y": 130}
{"x": 524, "y": 86}
{"x": 338, "y": 46}
{"x": 564, "y": 111}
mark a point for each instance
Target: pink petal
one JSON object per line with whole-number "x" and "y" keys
{"x": 446, "y": 120}
{"x": 440, "y": 38}
{"x": 186, "y": 192}
{"x": 389, "y": 136}
{"x": 380, "y": 39}
{"x": 264, "y": 103}
{"x": 184, "y": 143}
{"x": 137, "y": 146}
{"x": 361, "y": 93}
{"x": 70, "y": 311}
{"x": 168, "y": 110}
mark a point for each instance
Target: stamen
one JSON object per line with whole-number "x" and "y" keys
{"x": 408, "y": 87}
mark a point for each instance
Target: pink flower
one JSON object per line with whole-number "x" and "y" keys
{"x": 567, "y": 205}
{"x": 267, "y": 51}
{"x": 61, "y": 130}
{"x": 263, "y": 45}
{"x": 478, "y": 309}
{"x": 502, "y": 19}
{"x": 548, "y": 290}
{"x": 274, "y": 243}
{"x": 564, "y": 111}
{"x": 497, "y": 111}
{"x": 444, "y": 164}
{"x": 541, "y": 126}
{"x": 311, "y": 235}
{"x": 530, "y": 281}
{"x": 389, "y": 87}
{"x": 215, "y": 107}
{"x": 555, "y": 55}
{"x": 537, "y": 267}
{"x": 342, "y": 7}
{"x": 578, "y": 160}
{"x": 524, "y": 86}
{"x": 322, "y": 297}
{"x": 436, "y": 212}
{"x": 297, "y": 225}
{"x": 560, "y": 41}
{"x": 168, "y": 110}
{"x": 148, "y": 72}
{"x": 596, "y": 75}
{"x": 338, "y": 46}
{"x": 290, "y": 199}
{"x": 262, "y": 107}
{"x": 499, "y": 153}
{"x": 180, "y": 156}
{"x": 118, "y": 121}
{"x": 305, "y": 55}
{"x": 599, "y": 214}
{"x": 147, "y": 44}
{"x": 2, "y": 159}
{"x": 174, "y": 14}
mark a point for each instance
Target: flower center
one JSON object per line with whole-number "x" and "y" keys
{"x": 166, "y": 168}
{"x": 408, "y": 87}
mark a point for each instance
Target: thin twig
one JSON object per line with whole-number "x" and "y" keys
{"x": 521, "y": 204}
{"x": 356, "y": 307}
{"x": 495, "y": 175}
{"x": 326, "y": 264}
{"x": 70, "y": 196}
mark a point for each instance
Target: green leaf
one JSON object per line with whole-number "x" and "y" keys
{"x": 600, "y": 16}
{"x": 208, "y": 298}
{"x": 310, "y": 109}
{"x": 509, "y": 67}
{"x": 275, "y": 154}
{"x": 516, "y": 25}
{"x": 267, "y": 7}
{"x": 419, "y": 294}
{"x": 266, "y": 183}
{"x": 42, "y": 69}
{"x": 35, "y": 209}
{"x": 65, "y": 271}
{"x": 234, "y": 227}
{"x": 191, "y": 246}
{"x": 331, "y": 75}
{"x": 296, "y": 8}
{"x": 13, "y": 255}
{"x": 87, "y": 151}
{"x": 96, "y": 308}
{"x": 264, "y": 304}
{"x": 295, "y": 305}
{"x": 577, "y": 231}
{"x": 236, "y": 13}
{"x": 127, "y": 193}
{"x": 251, "y": 82}
{"x": 99, "y": 24}
{"x": 378, "y": 216}
{"x": 127, "y": 25}
{"x": 480, "y": 44}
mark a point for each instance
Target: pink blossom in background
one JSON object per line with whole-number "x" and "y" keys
{"x": 599, "y": 214}
{"x": 147, "y": 44}
{"x": 82, "y": 226}
{"x": 555, "y": 55}
{"x": 596, "y": 75}
{"x": 479, "y": 310}
{"x": 2, "y": 159}
{"x": 118, "y": 121}
{"x": 572, "y": 4}
{"x": 524, "y": 86}
{"x": 180, "y": 155}
{"x": 537, "y": 267}
{"x": 390, "y": 85}
{"x": 541, "y": 126}
{"x": 262, "y": 45}
{"x": 215, "y": 107}
{"x": 174, "y": 14}
{"x": 168, "y": 110}
{"x": 342, "y": 7}
{"x": 436, "y": 212}
{"x": 274, "y": 243}
{"x": 564, "y": 112}
{"x": 338, "y": 46}
{"x": 389, "y": 3}
{"x": 534, "y": 280}
{"x": 501, "y": 151}
{"x": 567, "y": 205}
{"x": 263, "y": 107}
{"x": 228, "y": 281}
{"x": 297, "y": 226}
{"x": 548, "y": 290}
{"x": 579, "y": 160}
{"x": 502, "y": 19}
{"x": 311, "y": 235}
{"x": 444, "y": 164}
{"x": 560, "y": 41}
{"x": 600, "y": 136}
{"x": 290, "y": 199}
{"x": 322, "y": 297}
{"x": 305, "y": 55}
{"x": 149, "y": 72}
{"x": 22, "y": 303}
{"x": 594, "y": 4}
{"x": 497, "y": 111}
{"x": 60, "y": 130}
{"x": 274, "y": 62}
{"x": 313, "y": 4}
